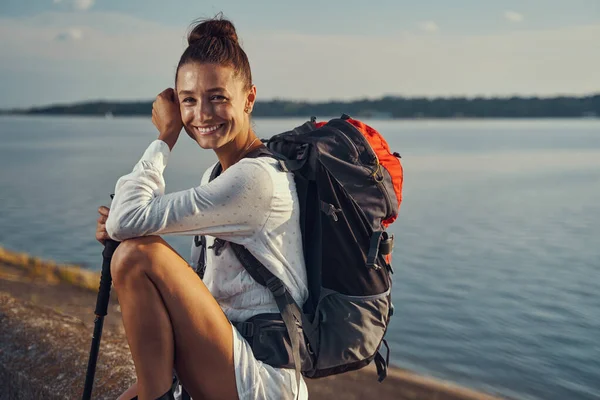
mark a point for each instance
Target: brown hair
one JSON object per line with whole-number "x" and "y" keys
{"x": 215, "y": 41}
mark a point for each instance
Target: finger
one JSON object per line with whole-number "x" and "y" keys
{"x": 171, "y": 94}
{"x": 102, "y": 219}
{"x": 168, "y": 95}
{"x": 103, "y": 210}
{"x": 101, "y": 230}
{"x": 101, "y": 237}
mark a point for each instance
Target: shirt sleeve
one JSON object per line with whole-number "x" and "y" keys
{"x": 234, "y": 206}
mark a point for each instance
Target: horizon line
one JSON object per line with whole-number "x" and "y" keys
{"x": 289, "y": 100}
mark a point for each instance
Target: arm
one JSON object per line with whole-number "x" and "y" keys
{"x": 232, "y": 206}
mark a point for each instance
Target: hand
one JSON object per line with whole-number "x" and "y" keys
{"x": 101, "y": 234}
{"x": 167, "y": 117}
{"x": 129, "y": 393}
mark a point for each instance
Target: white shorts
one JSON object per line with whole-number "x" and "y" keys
{"x": 258, "y": 381}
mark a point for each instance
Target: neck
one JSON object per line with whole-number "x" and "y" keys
{"x": 235, "y": 150}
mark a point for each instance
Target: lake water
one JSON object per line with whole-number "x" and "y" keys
{"x": 497, "y": 252}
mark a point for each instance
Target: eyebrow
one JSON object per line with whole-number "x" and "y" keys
{"x": 217, "y": 89}
{"x": 213, "y": 90}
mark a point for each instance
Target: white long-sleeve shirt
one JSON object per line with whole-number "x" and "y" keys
{"x": 252, "y": 203}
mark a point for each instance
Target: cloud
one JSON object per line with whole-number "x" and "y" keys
{"x": 529, "y": 62}
{"x": 429, "y": 26}
{"x": 81, "y": 5}
{"x": 71, "y": 34}
{"x": 129, "y": 58}
{"x": 513, "y": 16}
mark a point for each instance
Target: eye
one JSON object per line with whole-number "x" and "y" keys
{"x": 218, "y": 98}
{"x": 188, "y": 100}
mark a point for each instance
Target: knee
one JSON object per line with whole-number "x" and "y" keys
{"x": 130, "y": 259}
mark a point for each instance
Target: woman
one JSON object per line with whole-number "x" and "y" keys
{"x": 174, "y": 320}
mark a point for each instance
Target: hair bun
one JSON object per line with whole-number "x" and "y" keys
{"x": 213, "y": 28}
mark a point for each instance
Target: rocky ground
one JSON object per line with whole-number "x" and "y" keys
{"x": 45, "y": 336}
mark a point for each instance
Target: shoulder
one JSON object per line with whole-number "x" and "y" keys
{"x": 254, "y": 168}
{"x": 244, "y": 177}
{"x": 261, "y": 165}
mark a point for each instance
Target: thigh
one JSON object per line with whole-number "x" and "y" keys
{"x": 203, "y": 335}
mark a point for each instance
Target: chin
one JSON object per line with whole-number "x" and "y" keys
{"x": 203, "y": 142}
{"x": 207, "y": 145}
{"x": 210, "y": 143}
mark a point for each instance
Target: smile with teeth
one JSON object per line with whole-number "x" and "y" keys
{"x": 208, "y": 129}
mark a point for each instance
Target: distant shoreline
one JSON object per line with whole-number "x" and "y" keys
{"x": 586, "y": 107}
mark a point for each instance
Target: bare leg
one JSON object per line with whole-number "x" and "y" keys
{"x": 171, "y": 319}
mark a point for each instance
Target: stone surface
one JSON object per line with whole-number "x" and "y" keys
{"x": 45, "y": 338}
{"x": 43, "y": 355}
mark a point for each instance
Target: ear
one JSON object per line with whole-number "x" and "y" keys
{"x": 250, "y": 99}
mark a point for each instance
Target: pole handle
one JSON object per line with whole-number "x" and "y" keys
{"x": 105, "y": 278}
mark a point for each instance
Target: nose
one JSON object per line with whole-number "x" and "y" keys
{"x": 203, "y": 111}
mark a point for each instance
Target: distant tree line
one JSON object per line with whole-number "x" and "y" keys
{"x": 386, "y": 107}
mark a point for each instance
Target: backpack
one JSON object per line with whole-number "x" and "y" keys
{"x": 349, "y": 187}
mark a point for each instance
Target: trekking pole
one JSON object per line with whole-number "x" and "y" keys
{"x": 101, "y": 310}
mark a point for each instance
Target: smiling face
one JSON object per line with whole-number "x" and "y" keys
{"x": 213, "y": 103}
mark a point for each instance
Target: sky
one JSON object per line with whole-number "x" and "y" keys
{"x": 67, "y": 51}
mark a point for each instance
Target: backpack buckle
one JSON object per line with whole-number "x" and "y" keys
{"x": 381, "y": 244}
{"x": 387, "y": 244}
{"x": 374, "y": 250}
{"x": 218, "y": 246}
{"x": 330, "y": 210}
{"x": 275, "y": 285}
{"x": 246, "y": 329}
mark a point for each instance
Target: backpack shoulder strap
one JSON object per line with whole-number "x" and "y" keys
{"x": 285, "y": 164}
{"x": 291, "y": 313}
{"x": 289, "y": 309}
{"x": 262, "y": 151}
{"x": 200, "y": 240}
